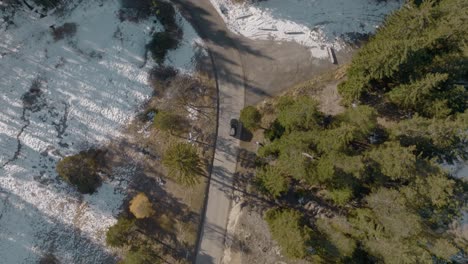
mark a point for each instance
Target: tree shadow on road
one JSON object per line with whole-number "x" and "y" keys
{"x": 211, "y": 28}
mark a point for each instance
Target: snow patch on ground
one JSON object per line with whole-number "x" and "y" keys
{"x": 60, "y": 97}
{"x": 313, "y": 23}
{"x": 191, "y": 44}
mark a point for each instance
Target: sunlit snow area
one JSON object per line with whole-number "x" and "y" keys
{"x": 60, "y": 97}
{"x": 312, "y": 23}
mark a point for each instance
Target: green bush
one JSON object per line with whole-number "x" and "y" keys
{"x": 81, "y": 170}
{"x": 250, "y": 117}
{"x": 168, "y": 122}
{"x": 275, "y": 131}
{"x": 119, "y": 234}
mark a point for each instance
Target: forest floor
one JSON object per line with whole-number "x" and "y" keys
{"x": 249, "y": 236}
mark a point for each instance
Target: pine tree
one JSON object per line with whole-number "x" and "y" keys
{"x": 303, "y": 114}
{"x": 183, "y": 164}
{"x": 250, "y": 117}
{"x": 119, "y": 234}
{"x": 271, "y": 180}
{"x": 395, "y": 161}
{"x": 286, "y": 227}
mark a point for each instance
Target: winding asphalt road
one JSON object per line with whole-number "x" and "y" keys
{"x": 230, "y": 80}
{"x": 246, "y": 71}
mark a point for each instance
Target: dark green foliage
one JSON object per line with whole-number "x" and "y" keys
{"x": 271, "y": 181}
{"x": 383, "y": 167}
{"x": 394, "y": 161}
{"x": 416, "y": 60}
{"x": 340, "y": 196}
{"x": 338, "y": 231}
{"x": 119, "y": 234}
{"x": 435, "y": 138}
{"x": 183, "y": 164}
{"x": 286, "y": 227}
{"x": 301, "y": 114}
{"x": 391, "y": 230}
{"x": 342, "y": 159}
{"x": 418, "y": 94}
{"x": 363, "y": 118}
{"x": 391, "y": 213}
{"x": 81, "y": 170}
{"x": 275, "y": 131}
{"x": 250, "y": 117}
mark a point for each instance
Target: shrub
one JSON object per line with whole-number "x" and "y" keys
{"x": 250, "y": 117}
{"x": 81, "y": 170}
{"x": 168, "y": 121}
{"x": 119, "y": 234}
{"x": 141, "y": 207}
{"x": 275, "y": 131}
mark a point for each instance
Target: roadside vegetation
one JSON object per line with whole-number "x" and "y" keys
{"x": 159, "y": 222}
{"x": 250, "y": 117}
{"x": 375, "y": 167}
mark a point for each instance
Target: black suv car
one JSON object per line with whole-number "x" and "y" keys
{"x": 234, "y": 128}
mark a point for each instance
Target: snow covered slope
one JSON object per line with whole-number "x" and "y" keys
{"x": 57, "y": 98}
{"x": 312, "y": 23}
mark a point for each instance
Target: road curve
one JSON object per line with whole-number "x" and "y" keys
{"x": 227, "y": 66}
